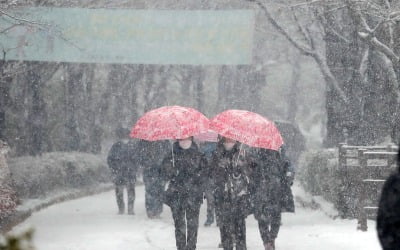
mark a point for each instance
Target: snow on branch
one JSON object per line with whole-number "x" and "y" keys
{"x": 368, "y": 34}
{"x": 281, "y": 30}
{"x": 21, "y": 20}
{"x": 319, "y": 59}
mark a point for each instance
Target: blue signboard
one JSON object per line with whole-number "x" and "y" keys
{"x": 200, "y": 37}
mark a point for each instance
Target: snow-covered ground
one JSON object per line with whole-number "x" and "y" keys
{"x": 92, "y": 223}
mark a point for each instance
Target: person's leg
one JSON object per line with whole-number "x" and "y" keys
{"x": 192, "y": 218}
{"x": 226, "y": 230}
{"x": 269, "y": 229}
{"x": 178, "y": 214}
{"x": 263, "y": 226}
{"x": 226, "y": 236}
{"x": 119, "y": 193}
{"x": 148, "y": 196}
{"x": 240, "y": 235}
{"x": 158, "y": 199}
{"x": 131, "y": 196}
{"x": 219, "y": 225}
{"x": 275, "y": 226}
{"x": 210, "y": 208}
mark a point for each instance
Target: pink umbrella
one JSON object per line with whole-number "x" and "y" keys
{"x": 170, "y": 122}
{"x": 247, "y": 127}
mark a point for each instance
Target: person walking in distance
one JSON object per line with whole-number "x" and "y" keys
{"x": 121, "y": 161}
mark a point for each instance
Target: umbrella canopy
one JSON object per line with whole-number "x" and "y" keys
{"x": 170, "y": 122}
{"x": 247, "y": 127}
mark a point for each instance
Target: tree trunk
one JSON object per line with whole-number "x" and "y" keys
{"x": 343, "y": 59}
{"x": 5, "y": 84}
{"x": 199, "y": 82}
{"x": 294, "y": 89}
{"x": 37, "y": 117}
{"x": 381, "y": 102}
{"x": 72, "y": 125}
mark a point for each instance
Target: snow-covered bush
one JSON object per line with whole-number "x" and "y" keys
{"x": 8, "y": 199}
{"x": 37, "y": 176}
{"x": 318, "y": 173}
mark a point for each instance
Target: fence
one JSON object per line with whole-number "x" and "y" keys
{"x": 363, "y": 170}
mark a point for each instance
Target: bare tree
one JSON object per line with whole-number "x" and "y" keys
{"x": 356, "y": 37}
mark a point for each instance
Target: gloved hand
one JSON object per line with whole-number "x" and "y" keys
{"x": 290, "y": 177}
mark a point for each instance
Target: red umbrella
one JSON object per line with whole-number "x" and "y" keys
{"x": 170, "y": 122}
{"x": 247, "y": 127}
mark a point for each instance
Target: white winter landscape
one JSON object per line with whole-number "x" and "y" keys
{"x": 316, "y": 80}
{"x": 92, "y": 223}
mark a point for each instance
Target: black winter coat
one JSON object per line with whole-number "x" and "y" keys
{"x": 185, "y": 173}
{"x": 269, "y": 188}
{"x": 151, "y": 153}
{"x": 121, "y": 161}
{"x": 150, "y": 156}
{"x": 230, "y": 173}
{"x": 388, "y": 219}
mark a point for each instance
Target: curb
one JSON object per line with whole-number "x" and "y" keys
{"x": 8, "y": 223}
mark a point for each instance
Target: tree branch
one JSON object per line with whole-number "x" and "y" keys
{"x": 369, "y": 35}
{"x": 321, "y": 62}
{"x": 302, "y": 48}
{"x": 300, "y": 28}
{"x": 374, "y": 42}
{"x": 2, "y": 12}
{"x": 8, "y": 28}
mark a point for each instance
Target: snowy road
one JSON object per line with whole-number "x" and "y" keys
{"x": 92, "y": 224}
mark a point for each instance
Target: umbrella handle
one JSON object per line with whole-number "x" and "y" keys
{"x": 173, "y": 158}
{"x": 237, "y": 158}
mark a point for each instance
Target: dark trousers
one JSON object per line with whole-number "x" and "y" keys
{"x": 233, "y": 231}
{"x": 186, "y": 220}
{"x": 269, "y": 227}
{"x": 210, "y": 205}
{"x": 153, "y": 199}
{"x": 119, "y": 193}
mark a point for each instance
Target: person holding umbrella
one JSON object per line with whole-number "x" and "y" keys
{"x": 151, "y": 155}
{"x": 265, "y": 171}
{"x": 185, "y": 170}
{"x": 230, "y": 173}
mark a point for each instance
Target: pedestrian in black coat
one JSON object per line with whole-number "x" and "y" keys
{"x": 287, "y": 178}
{"x": 267, "y": 189}
{"x": 230, "y": 173}
{"x": 207, "y": 148}
{"x": 121, "y": 161}
{"x": 151, "y": 156}
{"x": 185, "y": 171}
{"x": 388, "y": 219}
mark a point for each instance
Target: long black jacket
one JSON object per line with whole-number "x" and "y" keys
{"x": 268, "y": 185}
{"x": 150, "y": 156}
{"x": 229, "y": 170}
{"x": 121, "y": 160}
{"x": 185, "y": 173}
